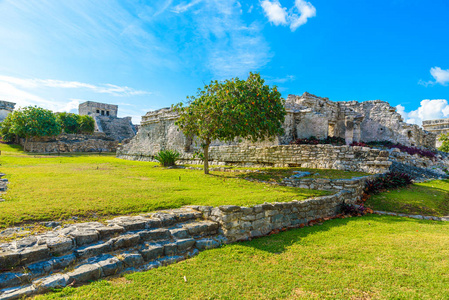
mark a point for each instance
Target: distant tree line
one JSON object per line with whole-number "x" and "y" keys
{"x": 33, "y": 121}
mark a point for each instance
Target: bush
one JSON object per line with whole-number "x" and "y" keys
{"x": 407, "y": 149}
{"x": 353, "y": 210}
{"x": 336, "y": 141}
{"x": 387, "y": 181}
{"x": 167, "y": 158}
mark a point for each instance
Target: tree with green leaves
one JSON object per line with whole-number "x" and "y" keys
{"x": 86, "y": 124}
{"x": 444, "y": 138}
{"x": 230, "y": 109}
{"x": 69, "y": 122}
{"x": 73, "y": 123}
{"x": 31, "y": 121}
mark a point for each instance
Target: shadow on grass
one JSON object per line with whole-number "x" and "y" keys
{"x": 279, "y": 243}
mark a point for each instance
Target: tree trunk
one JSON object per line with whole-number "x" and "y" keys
{"x": 206, "y": 157}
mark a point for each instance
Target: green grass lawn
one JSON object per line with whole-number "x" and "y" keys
{"x": 373, "y": 257}
{"x": 49, "y": 187}
{"x": 428, "y": 198}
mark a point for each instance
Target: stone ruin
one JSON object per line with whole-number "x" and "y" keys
{"x": 307, "y": 115}
{"x": 438, "y": 127}
{"x": 106, "y": 120}
{"x": 5, "y": 108}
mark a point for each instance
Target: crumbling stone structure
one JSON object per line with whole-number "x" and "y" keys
{"x": 438, "y": 127}
{"x": 106, "y": 120}
{"x": 5, "y": 108}
{"x": 307, "y": 115}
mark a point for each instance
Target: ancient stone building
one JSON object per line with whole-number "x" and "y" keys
{"x": 307, "y": 115}
{"x": 106, "y": 120}
{"x": 5, "y": 108}
{"x": 438, "y": 127}
{"x": 355, "y": 121}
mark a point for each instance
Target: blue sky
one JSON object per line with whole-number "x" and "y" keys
{"x": 144, "y": 55}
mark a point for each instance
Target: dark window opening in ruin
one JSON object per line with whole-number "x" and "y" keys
{"x": 98, "y": 111}
{"x": 409, "y": 134}
{"x": 102, "y": 112}
{"x": 107, "y": 113}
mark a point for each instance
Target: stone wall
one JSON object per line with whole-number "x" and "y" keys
{"x": 355, "y": 186}
{"x": 348, "y": 158}
{"x": 64, "y": 143}
{"x": 241, "y": 223}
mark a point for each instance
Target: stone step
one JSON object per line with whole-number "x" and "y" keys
{"x": 144, "y": 257}
{"x": 41, "y": 255}
{"x": 35, "y": 248}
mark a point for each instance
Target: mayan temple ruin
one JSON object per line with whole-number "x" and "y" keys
{"x": 106, "y": 120}
{"x": 307, "y": 115}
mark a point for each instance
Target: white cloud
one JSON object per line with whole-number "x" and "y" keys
{"x": 306, "y": 11}
{"x": 295, "y": 17}
{"x": 428, "y": 110}
{"x": 275, "y": 13}
{"x": 441, "y": 76}
{"x": 48, "y": 93}
{"x": 107, "y": 88}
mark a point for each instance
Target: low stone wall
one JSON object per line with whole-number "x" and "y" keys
{"x": 348, "y": 158}
{"x": 354, "y": 186}
{"x": 241, "y": 223}
{"x": 64, "y": 143}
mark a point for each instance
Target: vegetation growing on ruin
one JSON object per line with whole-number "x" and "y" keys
{"x": 373, "y": 257}
{"x": 49, "y": 187}
{"x": 230, "y": 109}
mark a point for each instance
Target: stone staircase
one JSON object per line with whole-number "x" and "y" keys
{"x": 82, "y": 252}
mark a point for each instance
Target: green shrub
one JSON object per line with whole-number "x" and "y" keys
{"x": 167, "y": 158}
{"x": 390, "y": 180}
